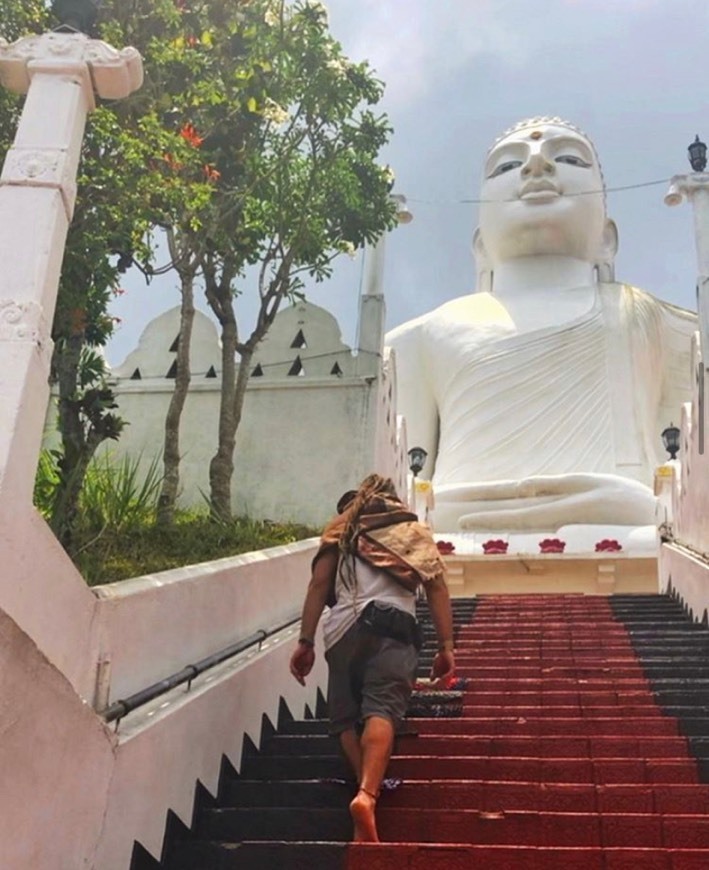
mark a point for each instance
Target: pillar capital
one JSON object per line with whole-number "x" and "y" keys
{"x": 110, "y": 73}
{"x": 685, "y": 186}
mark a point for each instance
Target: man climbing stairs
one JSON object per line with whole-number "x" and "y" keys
{"x": 575, "y": 737}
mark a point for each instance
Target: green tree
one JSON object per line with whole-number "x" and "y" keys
{"x": 127, "y": 185}
{"x": 285, "y": 129}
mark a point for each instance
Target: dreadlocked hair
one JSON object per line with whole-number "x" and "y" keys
{"x": 374, "y": 486}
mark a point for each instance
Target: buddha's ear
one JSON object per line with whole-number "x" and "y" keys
{"x": 605, "y": 263}
{"x": 482, "y": 261}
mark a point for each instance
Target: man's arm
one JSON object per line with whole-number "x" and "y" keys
{"x": 439, "y": 604}
{"x": 303, "y": 657}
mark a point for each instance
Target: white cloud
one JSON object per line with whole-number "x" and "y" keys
{"x": 415, "y": 46}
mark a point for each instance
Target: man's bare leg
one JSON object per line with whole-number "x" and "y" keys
{"x": 349, "y": 741}
{"x": 376, "y": 745}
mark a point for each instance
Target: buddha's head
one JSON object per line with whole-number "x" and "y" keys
{"x": 543, "y": 194}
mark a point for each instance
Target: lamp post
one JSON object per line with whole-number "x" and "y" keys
{"x": 417, "y": 460}
{"x": 698, "y": 155}
{"x": 421, "y": 501}
{"x": 694, "y": 187}
{"x": 75, "y": 16}
{"x": 670, "y": 438}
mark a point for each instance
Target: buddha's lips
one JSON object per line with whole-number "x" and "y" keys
{"x": 539, "y": 191}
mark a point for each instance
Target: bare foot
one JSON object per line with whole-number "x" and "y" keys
{"x": 362, "y": 810}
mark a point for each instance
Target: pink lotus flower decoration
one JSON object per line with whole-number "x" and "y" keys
{"x": 608, "y": 545}
{"x": 445, "y": 548}
{"x": 552, "y": 545}
{"x": 495, "y": 547}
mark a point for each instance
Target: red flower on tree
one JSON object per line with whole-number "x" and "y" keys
{"x": 190, "y": 135}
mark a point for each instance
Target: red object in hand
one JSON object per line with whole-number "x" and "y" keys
{"x": 495, "y": 547}
{"x": 445, "y": 548}
{"x": 608, "y": 545}
{"x": 552, "y": 545}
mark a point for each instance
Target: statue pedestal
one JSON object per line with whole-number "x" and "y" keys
{"x": 518, "y": 574}
{"x": 625, "y": 561}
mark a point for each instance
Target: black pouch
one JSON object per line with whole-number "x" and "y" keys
{"x": 384, "y": 620}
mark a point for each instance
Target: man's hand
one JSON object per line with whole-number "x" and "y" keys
{"x": 443, "y": 665}
{"x": 302, "y": 661}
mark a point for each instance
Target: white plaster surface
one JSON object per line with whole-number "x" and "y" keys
{"x": 56, "y": 759}
{"x": 41, "y": 590}
{"x": 160, "y": 760}
{"x": 691, "y": 474}
{"x": 685, "y": 561}
{"x": 75, "y": 794}
{"x": 541, "y": 398}
{"x": 689, "y": 576}
{"x": 154, "y": 356}
{"x": 155, "y": 625}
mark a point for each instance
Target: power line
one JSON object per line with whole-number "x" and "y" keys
{"x": 621, "y": 187}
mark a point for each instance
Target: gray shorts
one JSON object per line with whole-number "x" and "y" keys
{"x": 368, "y": 676}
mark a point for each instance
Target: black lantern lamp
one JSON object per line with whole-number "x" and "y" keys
{"x": 698, "y": 155}
{"x": 417, "y": 459}
{"x": 76, "y": 15}
{"x": 670, "y": 438}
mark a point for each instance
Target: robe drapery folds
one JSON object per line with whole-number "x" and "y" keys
{"x": 584, "y": 396}
{"x": 389, "y": 538}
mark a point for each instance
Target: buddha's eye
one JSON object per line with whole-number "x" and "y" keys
{"x": 572, "y": 160}
{"x": 507, "y": 166}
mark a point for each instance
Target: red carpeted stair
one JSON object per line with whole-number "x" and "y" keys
{"x": 563, "y": 757}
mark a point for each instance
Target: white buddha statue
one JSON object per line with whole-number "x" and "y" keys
{"x": 542, "y": 396}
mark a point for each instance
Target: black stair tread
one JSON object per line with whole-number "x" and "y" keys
{"x": 316, "y": 793}
{"x": 274, "y": 855}
{"x": 285, "y": 766}
{"x": 280, "y": 823}
{"x": 288, "y": 793}
{"x": 237, "y": 824}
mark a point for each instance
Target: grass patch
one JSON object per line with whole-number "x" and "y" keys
{"x": 117, "y": 538}
{"x": 110, "y": 554}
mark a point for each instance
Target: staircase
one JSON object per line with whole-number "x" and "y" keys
{"x": 580, "y": 741}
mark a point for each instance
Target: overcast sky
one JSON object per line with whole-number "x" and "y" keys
{"x": 631, "y": 73}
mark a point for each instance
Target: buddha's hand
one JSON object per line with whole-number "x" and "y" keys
{"x": 548, "y": 502}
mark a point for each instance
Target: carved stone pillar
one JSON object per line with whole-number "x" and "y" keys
{"x": 60, "y": 73}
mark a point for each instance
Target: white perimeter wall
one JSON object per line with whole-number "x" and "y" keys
{"x": 685, "y": 562}
{"x": 303, "y": 439}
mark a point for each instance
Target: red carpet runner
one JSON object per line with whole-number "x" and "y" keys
{"x": 562, "y": 758}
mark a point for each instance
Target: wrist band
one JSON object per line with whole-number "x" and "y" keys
{"x": 306, "y": 641}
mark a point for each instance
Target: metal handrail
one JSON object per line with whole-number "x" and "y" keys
{"x": 116, "y": 711}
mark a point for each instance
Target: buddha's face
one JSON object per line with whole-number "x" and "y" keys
{"x": 542, "y": 194}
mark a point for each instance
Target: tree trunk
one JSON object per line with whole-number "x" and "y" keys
{"x": 171, "y": 450}
{"x": 77, "y": 452}
{"x": 221, "y": 466}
